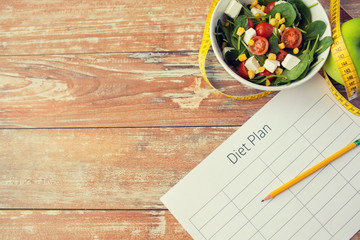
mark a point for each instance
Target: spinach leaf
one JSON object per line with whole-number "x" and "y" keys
{"x": 219, "y": 33}
{"x": 260, "y": 58}
{"x": 234, "y": 42}
{"x": 314, "y": 29}
{"x": 298, "y": 15}
{"x": 227, "y": 36}
{"x": 304, "y": 73}
{"x": 266, "y": 2}
{"x": 231, "y": 57}
{"x": 286, "y": 10}
{"x": 311, "y": 59}
{"x": 273, "y": 44}
{"x": 246, "y": 9}
{"x": 296, "y": 71}
{"x": 259, "y": 79}
{"x": 324, "y": 44}
{"x": 312, "y": 52}
{"x": 231, "y": 41}
{"x": 304, "y": 12}
{"x": 240, "y": 21}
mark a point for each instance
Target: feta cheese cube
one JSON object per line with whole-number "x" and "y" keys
{"x": 256, "y": 10}
{"x": 249, "y": 34}
{"x": 271, "y": 65}
{"x": 233, "y": 9}
{"x": 252, "y": 64}
{"x": 290, "y": 61}
{"x": 225, "y": 50}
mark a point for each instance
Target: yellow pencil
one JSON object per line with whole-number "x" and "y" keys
{"x": 312, "y": 170}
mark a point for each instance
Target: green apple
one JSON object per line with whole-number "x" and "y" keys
{"x": 350, "y": 31}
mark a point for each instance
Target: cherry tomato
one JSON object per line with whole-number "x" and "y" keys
{"x": 264, "y": 29}
{"x": 281, "y": 55}
{"x": 260, "y": 46}
{"x": 250, "y": 23}
{"x": 242, "y": 71}
{"x": 269, "y": 7}
{"x": 291, "y": 37}
{"x": 266, "y": 73}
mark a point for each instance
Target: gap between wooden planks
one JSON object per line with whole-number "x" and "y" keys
{"x": 41, "y": 27}
{"x": 99, "y": 168}
{"x": 117, "y": 90}
{"x": 56, "y": 27}
{"x": 85, "y": 224}
{"x": 51, "y": 189}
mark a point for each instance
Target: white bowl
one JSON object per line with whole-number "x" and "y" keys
{"x": 317, "y": 13}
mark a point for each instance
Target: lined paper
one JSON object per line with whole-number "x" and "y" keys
{"x": 221, "y": 197}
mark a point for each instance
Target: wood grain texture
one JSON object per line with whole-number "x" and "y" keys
{"x": 95, "y": 225}
{"x": 54, "y": 27}
{"x": 117, "y": 90}
{"x": 131, "y": 88}
{"x": 104, "y": 168}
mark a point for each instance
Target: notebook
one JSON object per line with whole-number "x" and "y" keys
{"x": 221, "y": 197}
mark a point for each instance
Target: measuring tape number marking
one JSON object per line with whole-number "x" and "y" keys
{"x": 341, "y": 55}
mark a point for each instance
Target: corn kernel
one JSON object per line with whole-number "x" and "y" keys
{"x": 277, "y": 16}
{"x": 272, "y": 56}
{"x": 282, "y": 20}
{"x": 223, "y": 45}
{"x": 251, "y": 42}
{"x": 282, "y": 27}
{"x": 254, "y": 3}
{"x": 240, "y": 31}
{"x": 278, "y": 71}
{"x": 227, "y": 24}
{"x": 251, "y": 74}
{"x": 281, "y": 45}
{"x": 242, "y": 57}
{"x": 261, "y": 69}
{"x": 257, "y": 15}
{"x": 295, "y": 50}
{"x": 267, "y": 83}
{"x": 272, "y": 21}
{"x": 262, "y": 8}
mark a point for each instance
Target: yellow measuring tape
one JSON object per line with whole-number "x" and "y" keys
{"x": 338, "y": 49}
{"x": 341, "y": 55}
{"x": 345, "y": 103}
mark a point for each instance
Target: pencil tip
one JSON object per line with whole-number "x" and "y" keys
{"x": 262, "y": 200}
{"x": 267, "y": 197}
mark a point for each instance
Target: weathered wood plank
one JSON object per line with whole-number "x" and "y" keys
{"x": 55, "y": 27}
{"x": 48, "y": 27}
{"x": 90, "y": 225}
{"x": 70, "y": 224}
{"x": 116, "y": 90}
{"x": 106, "y": 168}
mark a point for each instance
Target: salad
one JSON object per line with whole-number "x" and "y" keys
{"x": 271, "y": 42}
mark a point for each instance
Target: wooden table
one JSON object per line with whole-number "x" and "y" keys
{"x": 102, "y": 110}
